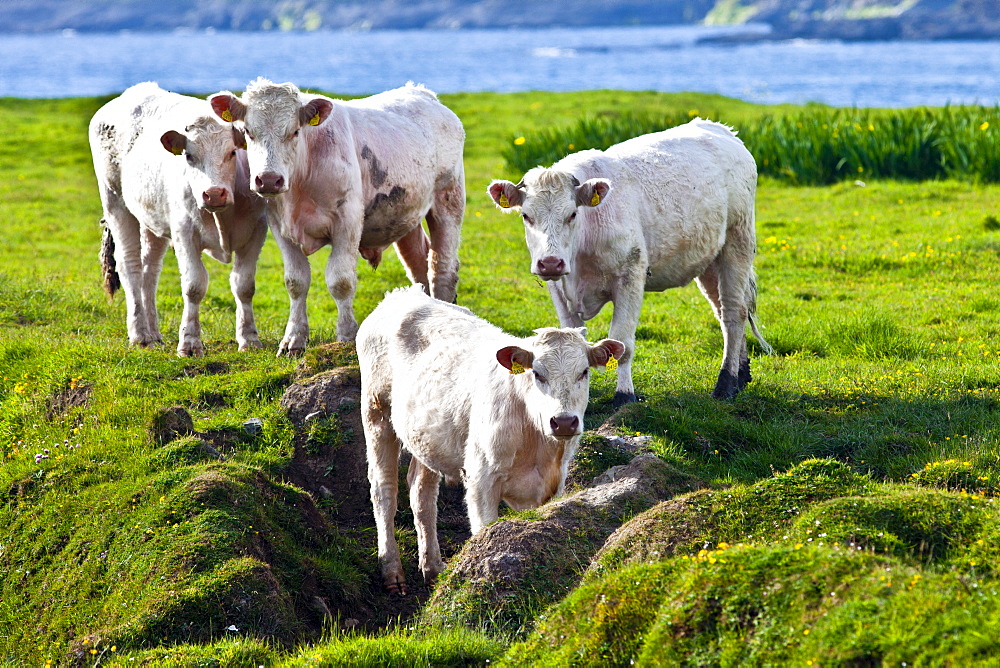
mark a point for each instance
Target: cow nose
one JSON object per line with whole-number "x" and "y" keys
{"x": 565, "y": 425}
{"x": 550, "y": 266}
{"x": 215, "y": 198}
{"x": 270, "y": 184}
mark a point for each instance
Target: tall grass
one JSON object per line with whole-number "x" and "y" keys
{"x": 816, "y": 146}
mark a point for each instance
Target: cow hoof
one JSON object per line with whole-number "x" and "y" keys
{"x": 191, "y": 352}
{"x": 622, "y": 398}
{"x": 250, "y": 345}
{"x": 396, "y": 588}
{"x": 727, "y": 387}
{"x": 290, "y": 352}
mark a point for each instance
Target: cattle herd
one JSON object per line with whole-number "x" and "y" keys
{"x": 469, "y": 402}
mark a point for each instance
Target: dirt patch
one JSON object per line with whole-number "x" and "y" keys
{"x": 72, "y": 396}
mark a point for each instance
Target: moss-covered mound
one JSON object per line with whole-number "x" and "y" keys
{"x": 509, "y": 572}
{"x": 187, "y": 548}
{"x": 773, "y": 605}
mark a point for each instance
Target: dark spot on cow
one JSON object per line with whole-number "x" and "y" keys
{"x": 340, "y": 202}
{"x": 411, "y": 336}
{"x": 443, "y": 180}
{"x": 374, "y": 167}
{"x": 383, "y": 202}
{"x": 634, "y": 255}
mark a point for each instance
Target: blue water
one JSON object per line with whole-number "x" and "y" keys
{"x": 882, "y": 74}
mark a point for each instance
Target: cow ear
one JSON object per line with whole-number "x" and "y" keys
{"x": 315, "y": 111}
{"x": 506, "y": 195}
{"x": 174, "y": 141}
{"x": 515, "y": 359}
{"x": 227, "y": 106}
{"x": 239, "y": 138}
{"x": 604, "y": 351}
{"x": 592, "y": 192}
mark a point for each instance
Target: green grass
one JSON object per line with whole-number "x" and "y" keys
{"x": 816, "y": 146}
{"x": 879, "y": 300}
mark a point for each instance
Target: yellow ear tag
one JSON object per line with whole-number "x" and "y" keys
{"x": 176, "y": 150}
{"x": 612, "y": 363}
{"x": 594, "y": 201}
{"x": 516, "y": 368}
{"x": 226, "y": 116}
{"x": 314, "y": 120}
{"x": 504, "y": 202}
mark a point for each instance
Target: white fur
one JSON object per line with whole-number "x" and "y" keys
{"x": 679, "y": 205}
{"x": 431, "y": 382}
{"x": 359, "y": 180}
{"x": 153, "y": 198}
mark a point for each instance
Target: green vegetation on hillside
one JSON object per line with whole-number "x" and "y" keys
{"x": 875, "y": 424}
{"x": 818, "y": 146}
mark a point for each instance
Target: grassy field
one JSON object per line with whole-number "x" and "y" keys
{"x": 876, "y": 295}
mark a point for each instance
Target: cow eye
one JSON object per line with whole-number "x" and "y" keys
{"x": 527, "y": 219}
{"x": 295, "y": 134}
{"x": 540, "y": 378}
{"x": 249, "y": 135}
{"x": 232, "y": 154}
{"x": 189, "y": 157}
{"x": 583, "y": 376}
{"x": 572, "y": 216}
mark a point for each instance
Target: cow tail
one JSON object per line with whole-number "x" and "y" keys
{"x": 111, "y": 280}
{"x": 752, "y": 312}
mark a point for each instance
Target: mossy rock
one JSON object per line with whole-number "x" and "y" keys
{"x": 171, "y": 423}
{"x": 322, "y": 394}
{"x": 183, "y": 452}
{"x": 327, "y": 357}
{"x": 769, "y": 605}
{"x": 595, "y": 455}
{"x": 506, "y": 574}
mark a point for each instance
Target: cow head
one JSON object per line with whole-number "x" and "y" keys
{"x": 211, "y": 153}
{"x": 272, "y": 116}
{"x": 548, "y": 200}
{"x": 559, "y": 361}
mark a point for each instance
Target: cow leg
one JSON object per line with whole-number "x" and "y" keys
{"x": 424, "y": 484}
{"x": 444, "y": 222}
{"x": 383, "y": 477}
{"x": 733, "y": 270}
{"x": 627, "y": 300}
{"x": 482, "y": 498}
{"x": 568, "y": 316}
{"x": 708, "y": 283}
{"x": 154, "y": 249}
{"x": 342, "y": 282}
{"x": 413, "y": 249}
{"x": 126, "y": 232}
{"x": 242, "y": 281}
{"x": 297, "y": 279}
{"x": 194, "y": 284}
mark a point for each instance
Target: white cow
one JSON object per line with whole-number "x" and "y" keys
{"x": 469, "y": 402}
{"x": 359, "y": 176}
{"x": 169, "y": 171}
{"x": 681, "y": 208}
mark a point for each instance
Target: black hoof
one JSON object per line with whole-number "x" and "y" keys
{"x": 744, "y": 377}
{"x": 727, "y": 387}
{"x": 622, "y": 398}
